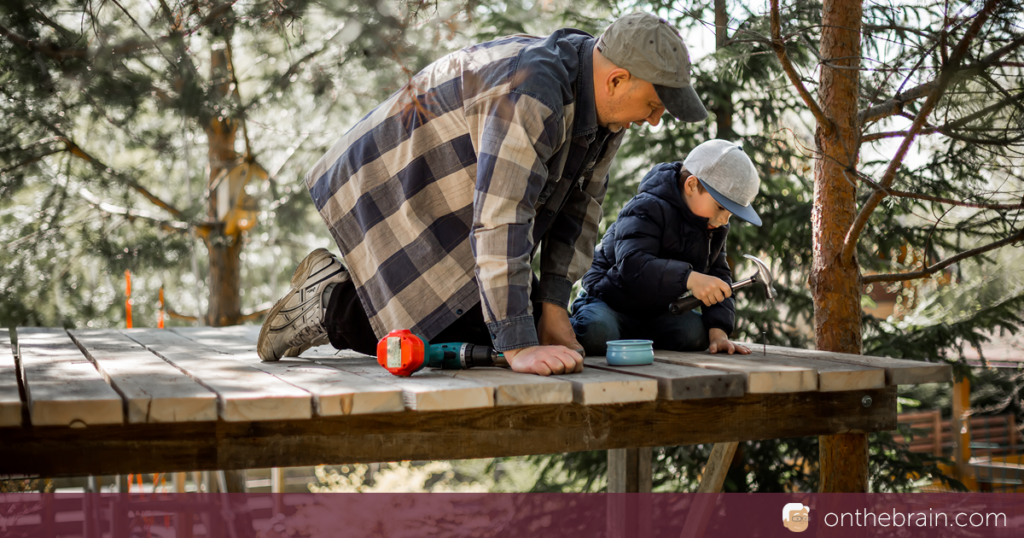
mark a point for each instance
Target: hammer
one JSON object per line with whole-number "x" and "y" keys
{"x": 763, "y": 275}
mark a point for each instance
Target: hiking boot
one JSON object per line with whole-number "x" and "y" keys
{"x": 296, "y": 320}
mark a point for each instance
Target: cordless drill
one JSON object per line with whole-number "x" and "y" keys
{"x": 403, "y": 353}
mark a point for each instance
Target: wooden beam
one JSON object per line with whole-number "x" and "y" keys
{"x": 629, "y": 470}
{"x": 458, "y": 434}
{"x": 961, "y": 426}
{"x": 717, "y": 467}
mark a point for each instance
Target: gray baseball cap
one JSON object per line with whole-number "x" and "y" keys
{"x": 651, "y": 49}
{"x": 728, "y": 174}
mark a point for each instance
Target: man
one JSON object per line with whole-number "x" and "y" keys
{"x": 440, "y": 197}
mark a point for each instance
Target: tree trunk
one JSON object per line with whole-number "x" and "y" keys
{"x": 835, "y": 281}
{"x": 225, "y": 306}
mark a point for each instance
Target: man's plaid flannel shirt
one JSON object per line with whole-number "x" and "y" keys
{"x": 438, "y": 197}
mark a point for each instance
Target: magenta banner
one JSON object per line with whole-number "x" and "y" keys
{"x": 296, "y": 515}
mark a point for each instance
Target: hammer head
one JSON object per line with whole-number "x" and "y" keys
{"x": 763, "y": 276}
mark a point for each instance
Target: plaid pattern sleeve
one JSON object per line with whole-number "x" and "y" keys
{"x": 516, "y": 135}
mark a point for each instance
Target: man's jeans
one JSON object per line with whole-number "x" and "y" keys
{"x": 596, "y": 323}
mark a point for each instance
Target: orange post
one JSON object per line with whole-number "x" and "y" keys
{"x": 962, "y": 432}
{"x": 128, "y": 298}
{"x": 160, "y": 316}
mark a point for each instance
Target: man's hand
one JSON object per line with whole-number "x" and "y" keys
{"x": 544, "y": 360}
{"x": 710, "y": 290}
{"x": 555, "y": 329}
{"x": 720, "y": 342}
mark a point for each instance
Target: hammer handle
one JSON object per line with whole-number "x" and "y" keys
{"x": 690, "y": 302}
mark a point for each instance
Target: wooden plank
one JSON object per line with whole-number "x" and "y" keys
{"x": 248, "y": 333}
{"x": 832, "y": 376}
{"x": 62, "y": 386}
{"x": 10, "y": 399}
{"x": 426, "y": 390}
{"x": 334, "y": 392}
{"x": 593, "y": 386}
{"x": 762, "y": 376}
{"x": 466, "y": 433}
{"x": 676, "y": 382}
{"x": 512, "y": 388}
{"x": 897, "y": 371}
{"x": 243, "y": 393}
{"x": 153, "y": 390}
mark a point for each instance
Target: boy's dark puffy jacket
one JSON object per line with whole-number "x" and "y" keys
{"x": 642, "y": 263}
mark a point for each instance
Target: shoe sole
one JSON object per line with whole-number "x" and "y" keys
{"x": 298, "y": 278}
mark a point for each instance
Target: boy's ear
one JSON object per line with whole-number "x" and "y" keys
{"x": 690, "y": 185}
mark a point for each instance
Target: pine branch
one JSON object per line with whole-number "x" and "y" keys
{"x": 949, "y": 70}
{"x": 102, "y": 168}
{"x": 895, "y": 105}
{"x": 176, "y": 315}
{"x": 945, "y": 129}
{"x": 780, "y": 51}
{"x": 36, "y": 158}
{"x": 959, "y": 203}
{"x": 132, "y": 214}
{"x": 55, "y": 52}
{"x": 899, "y": 277}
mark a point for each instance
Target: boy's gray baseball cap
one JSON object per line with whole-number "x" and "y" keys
{"x": 651, "y": 49}
{"x": 728, "y": 174}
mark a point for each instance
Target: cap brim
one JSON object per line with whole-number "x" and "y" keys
{"x": 682, "y": 103}
{"x": 746, "y": 213}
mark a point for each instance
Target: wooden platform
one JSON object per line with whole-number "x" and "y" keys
{"x": 144, "y": 400}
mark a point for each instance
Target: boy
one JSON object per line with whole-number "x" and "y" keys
{"x": 670, "y": 239}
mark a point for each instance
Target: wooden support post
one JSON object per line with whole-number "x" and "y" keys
{"x": 937, "y": 432}
{"x": 711, "y": 481}
{"x": 962, "y": 432}
{"x": 718, "y": 465}
{"x": 178, "y": 481}
{"x": 629, "y": 471}
{"x": 843, "y": 462}
{"x": 277, "y": 488}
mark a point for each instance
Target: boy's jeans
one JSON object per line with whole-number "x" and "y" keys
{"x": 595, "y": 323}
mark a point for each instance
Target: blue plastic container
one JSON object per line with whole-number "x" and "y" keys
{"x": 630, "y": 352}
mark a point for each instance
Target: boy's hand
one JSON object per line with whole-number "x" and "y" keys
{"x": 710, "y": 290}
{"x": 544, "y": 360}
{"x": 555, "y": 329}
{"x": 720, "y": 342}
